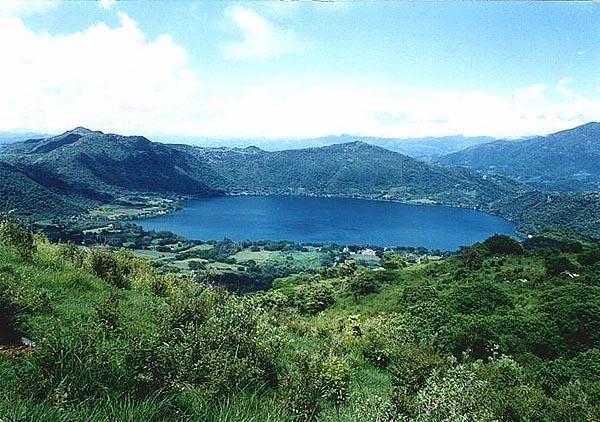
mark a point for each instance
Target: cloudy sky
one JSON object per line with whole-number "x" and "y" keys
{"x": 300, "y": 69}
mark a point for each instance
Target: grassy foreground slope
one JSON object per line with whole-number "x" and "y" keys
{"x": 496, "y": 333}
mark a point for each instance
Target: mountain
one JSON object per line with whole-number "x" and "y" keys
{"x": 84, "y": 167}
{"x": 97, "y": 166}
{"x": 352, "y": 169}
{"x": 426, "y": 149}
{"x": 9, "y": 137}
{"x": 565, "y": 161}
{"x": 20, "y": 193}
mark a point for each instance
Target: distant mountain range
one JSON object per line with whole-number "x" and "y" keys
{"x": 71, "y": 171}
{"x": 566, "y": 161}
{"x": 426, "y": 149}
{"x": 97, "y": 165}
{"x": 8, "y": 137}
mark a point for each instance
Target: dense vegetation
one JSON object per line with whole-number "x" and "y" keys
{"x": 30, "y": 199}
{"x": 354, "y": 169}
{"x": 501, "y": 331}
{"x": 563, "y": 161}
{"x": 576, "y": 213}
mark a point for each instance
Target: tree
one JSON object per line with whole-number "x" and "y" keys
{"x": 392, "y": 261}
{"x": 556, "y": 265}
{"x": 17, "y": 236}
{"x": 502, "y": 244}
{"x": 472, "y": 256}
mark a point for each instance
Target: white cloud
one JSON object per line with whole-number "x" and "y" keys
{"x": 112, "y": 77}
{"x": 531, "y": 92}
{"x": 107, "y": 4}
{"x": 562, "y": 87}
{"x": 115, "y": 78}
{"x": 311, "y": 109}
{"x": 25, "y": 7}
{"x": 261, "y": 38}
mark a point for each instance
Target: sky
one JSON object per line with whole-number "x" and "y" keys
{"x": 299, "y": 69}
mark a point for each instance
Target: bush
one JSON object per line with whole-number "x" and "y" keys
{"x": 208, "y": 338}
{"x": 576, "y": 311}
{"x": 70, "y": 253}
{"x": 502, "y": 244}
{"x": 479, "y": 298}
{"x": 17, "y": 236}
{"x": 363, "y": 283}
{"x": 590, "y": 257}
{"x": 314, "y": 380}
{"x": 458, "y": 395}
{"x": 392, "y": 261}
{"x": 113, "y": 267}
{"x": 556, "y": 265}
{"x": 313, "y": 298}
{"x": 472, "y": 256}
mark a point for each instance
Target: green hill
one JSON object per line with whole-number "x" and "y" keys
{"x": 96, "y": 165}
{"x": 499, "y": 332}
{"x": 564, "y": 161}
{"x": 20, "y": 193}
{"x": 83, "y": 166}
{"x": 99, "y": 165}
{"x": 351, "y": 169}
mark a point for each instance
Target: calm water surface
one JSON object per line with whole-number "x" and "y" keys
{"x": 339, "y": 220}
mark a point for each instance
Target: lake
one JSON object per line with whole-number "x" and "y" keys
{"x": 319, "y": 220}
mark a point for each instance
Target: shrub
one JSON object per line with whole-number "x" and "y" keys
{"x": 17, "y": 300}
{"x": 381, "y": 338}
{"x": 479, "y": 298}
{"x": 556, "y": 265}
{"x": 472, "y": 256}
{"x": 414, "y": 294}
{"x": 208, "y": 338}
{"x": 17, "y": 236}
{"x": 575, "y": 309}
{"x": 70, "y": 253}
{"x": 502, "y": 244}
{"x": 458, "y": 395}
{"x": 392, "y": 261}
{"x": 363, "y": 283}
{"x": 314, "y": 380}
{"x": 113, "y": 267}
{"x": 590, "y": 257}
{"x": 313, "y": 298}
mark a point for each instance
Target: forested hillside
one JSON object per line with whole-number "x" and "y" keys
{"x": 22, "y": 195}
{"x": 89, "y": 167}
{"x": 564, "y": 161}
{"x": 98, "y": 165}
{"x": 502, "y": 331}
{"x": 426, "y": 149}
{"x": 351, "y": 169}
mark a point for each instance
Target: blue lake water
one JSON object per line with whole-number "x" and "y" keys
{"x": 340, "y": 220}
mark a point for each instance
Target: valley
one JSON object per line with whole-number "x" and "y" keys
{"x": 92, "y": 170}
{"x": 299, "y": 211}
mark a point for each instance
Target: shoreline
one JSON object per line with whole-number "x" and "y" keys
{"x": 511, "y": 231}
